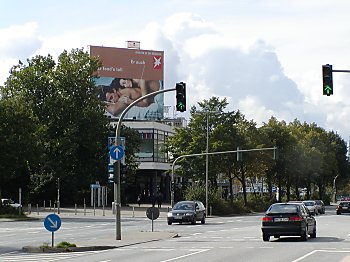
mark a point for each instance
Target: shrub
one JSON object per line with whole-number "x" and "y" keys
{"x": 65, "y": 244}
{"x": 218, "y": 205}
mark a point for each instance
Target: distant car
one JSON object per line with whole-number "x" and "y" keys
{"x": 288, "y": 219}
{"x": 311, "y": 205}
{"x": 187, "y": 211}
{"x": 343, "y": 207}
{"x": 10, "y": 202}
{"x": 320, "y": 206}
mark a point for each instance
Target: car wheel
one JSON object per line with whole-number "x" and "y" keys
{"x": 193, "y": 222}
{"x": 313, "y": 235}
{"x": 305, "y": 235}
{"x": 266, "y": 237}
{"x": 169, "y": 223}
{"x": 203, "y": 220}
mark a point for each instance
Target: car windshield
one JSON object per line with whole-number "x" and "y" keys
{"x": 183, "y": 206}
{"x": 309, "y": 203}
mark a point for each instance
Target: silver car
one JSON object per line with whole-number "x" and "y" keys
{"x": 311, "y": 205}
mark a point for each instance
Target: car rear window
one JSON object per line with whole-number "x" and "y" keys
{"x": 283, "y": 209}
{"x": 344, "y": 204}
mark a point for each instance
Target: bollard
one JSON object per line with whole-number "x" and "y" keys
{"x": 50, "y": 205}
{"x": 210, "y": 209}
{"x": 75, "y": 208}
{"x": 133, "y": 211}
{"x": 37, "y": 209}
{"x": 54, "y": 208}
{"x": 84, "y": 209}
{"x": 29, "y": 209}
{"x": 103, "y": 210}
{"x": 44, "y": 205}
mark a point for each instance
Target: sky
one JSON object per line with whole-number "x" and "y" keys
{"x": 264, "y": 56}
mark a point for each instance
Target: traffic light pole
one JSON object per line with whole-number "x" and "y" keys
{"x": 213, "y": 153}
{"x": 117, "y": 198}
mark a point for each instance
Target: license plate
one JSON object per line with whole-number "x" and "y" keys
{"x": 281, "y": 219}
{"x": 345, "y": 207}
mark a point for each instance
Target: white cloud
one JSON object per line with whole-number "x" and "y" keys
{"x": 264, "y": 56}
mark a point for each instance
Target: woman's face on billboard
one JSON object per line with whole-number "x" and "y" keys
{"x": 112, "y": 97}
{"x": 125, "y": 82}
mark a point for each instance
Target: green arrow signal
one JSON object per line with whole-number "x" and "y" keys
{"x": 328, "y": 89}
{"x": 180, "y": 106}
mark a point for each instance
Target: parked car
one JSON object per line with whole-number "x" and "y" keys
{"x": 187, "y": 211}
{"x": 320, "y": 206}
{"x": 288, "y": 219}
{"x": 10, "y": 202}
{"x": 311, "y": 205}
{"x": 343, "y": 207}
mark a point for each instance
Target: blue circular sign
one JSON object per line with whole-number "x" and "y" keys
{"x": 52, "y": 222}
{"x": 116, "y": 152}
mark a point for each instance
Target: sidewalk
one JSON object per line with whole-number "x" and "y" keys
{"x": 128, "y": 238}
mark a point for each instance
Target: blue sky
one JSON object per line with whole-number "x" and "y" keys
{"x": 264, "y": 56}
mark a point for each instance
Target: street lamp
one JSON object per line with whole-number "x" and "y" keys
{"x": 206, "y": 156}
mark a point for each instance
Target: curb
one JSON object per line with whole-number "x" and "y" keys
{"x": 32, "y": 249}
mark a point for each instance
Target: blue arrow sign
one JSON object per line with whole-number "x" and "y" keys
{"x": 52, "y": 222}
{"x": 116, "y": 152}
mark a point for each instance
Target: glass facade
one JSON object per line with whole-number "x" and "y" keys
{"x": 152, "y": 148}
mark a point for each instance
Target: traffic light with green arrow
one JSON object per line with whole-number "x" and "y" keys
{"x": 181, "y": 97}
{"x": 327, "y": 79}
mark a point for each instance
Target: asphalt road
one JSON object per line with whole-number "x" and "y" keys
{"x": 220, "y": 239}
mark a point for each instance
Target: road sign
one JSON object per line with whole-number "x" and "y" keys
{"x": 116, "y": 152}
{"x": 52, "y": 222}
{"x": 152, "y": 213}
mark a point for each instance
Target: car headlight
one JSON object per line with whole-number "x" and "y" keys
{"x": 170, "y": 214}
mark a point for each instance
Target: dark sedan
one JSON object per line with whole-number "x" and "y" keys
{"x": 343, "y": 207}
{"x": 288, "y": 219}
{"x": 187, "y": 211}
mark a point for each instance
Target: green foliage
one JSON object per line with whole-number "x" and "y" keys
{"x": 217, "y": 205}
{"x": 50, "y": 109}
{"x": 65, "y": 244}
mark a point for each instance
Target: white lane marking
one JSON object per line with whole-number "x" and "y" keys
{"x": 191, "y": 254}
{"x": 315, "y": 251}
{"x": 305, "y": 256}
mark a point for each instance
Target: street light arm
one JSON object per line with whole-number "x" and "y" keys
{"x": 117, "y": 198}
{"x": 211, "y": 153}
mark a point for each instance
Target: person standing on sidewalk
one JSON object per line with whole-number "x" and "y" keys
{"x": 139, "y": 200}
{"x": 159, "y": 199}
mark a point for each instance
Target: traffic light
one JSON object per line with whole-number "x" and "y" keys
{"x": 181, "y": 97}
{"x": 123, "y": 173}
{"x": 327, "y": 80}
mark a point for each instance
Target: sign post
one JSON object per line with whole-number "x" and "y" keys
{"x": 52, "y": 223}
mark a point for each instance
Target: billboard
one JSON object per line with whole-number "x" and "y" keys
{"x": 126, "y": 75}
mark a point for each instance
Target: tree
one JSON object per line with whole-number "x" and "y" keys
{"x": 62, "y": 97}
